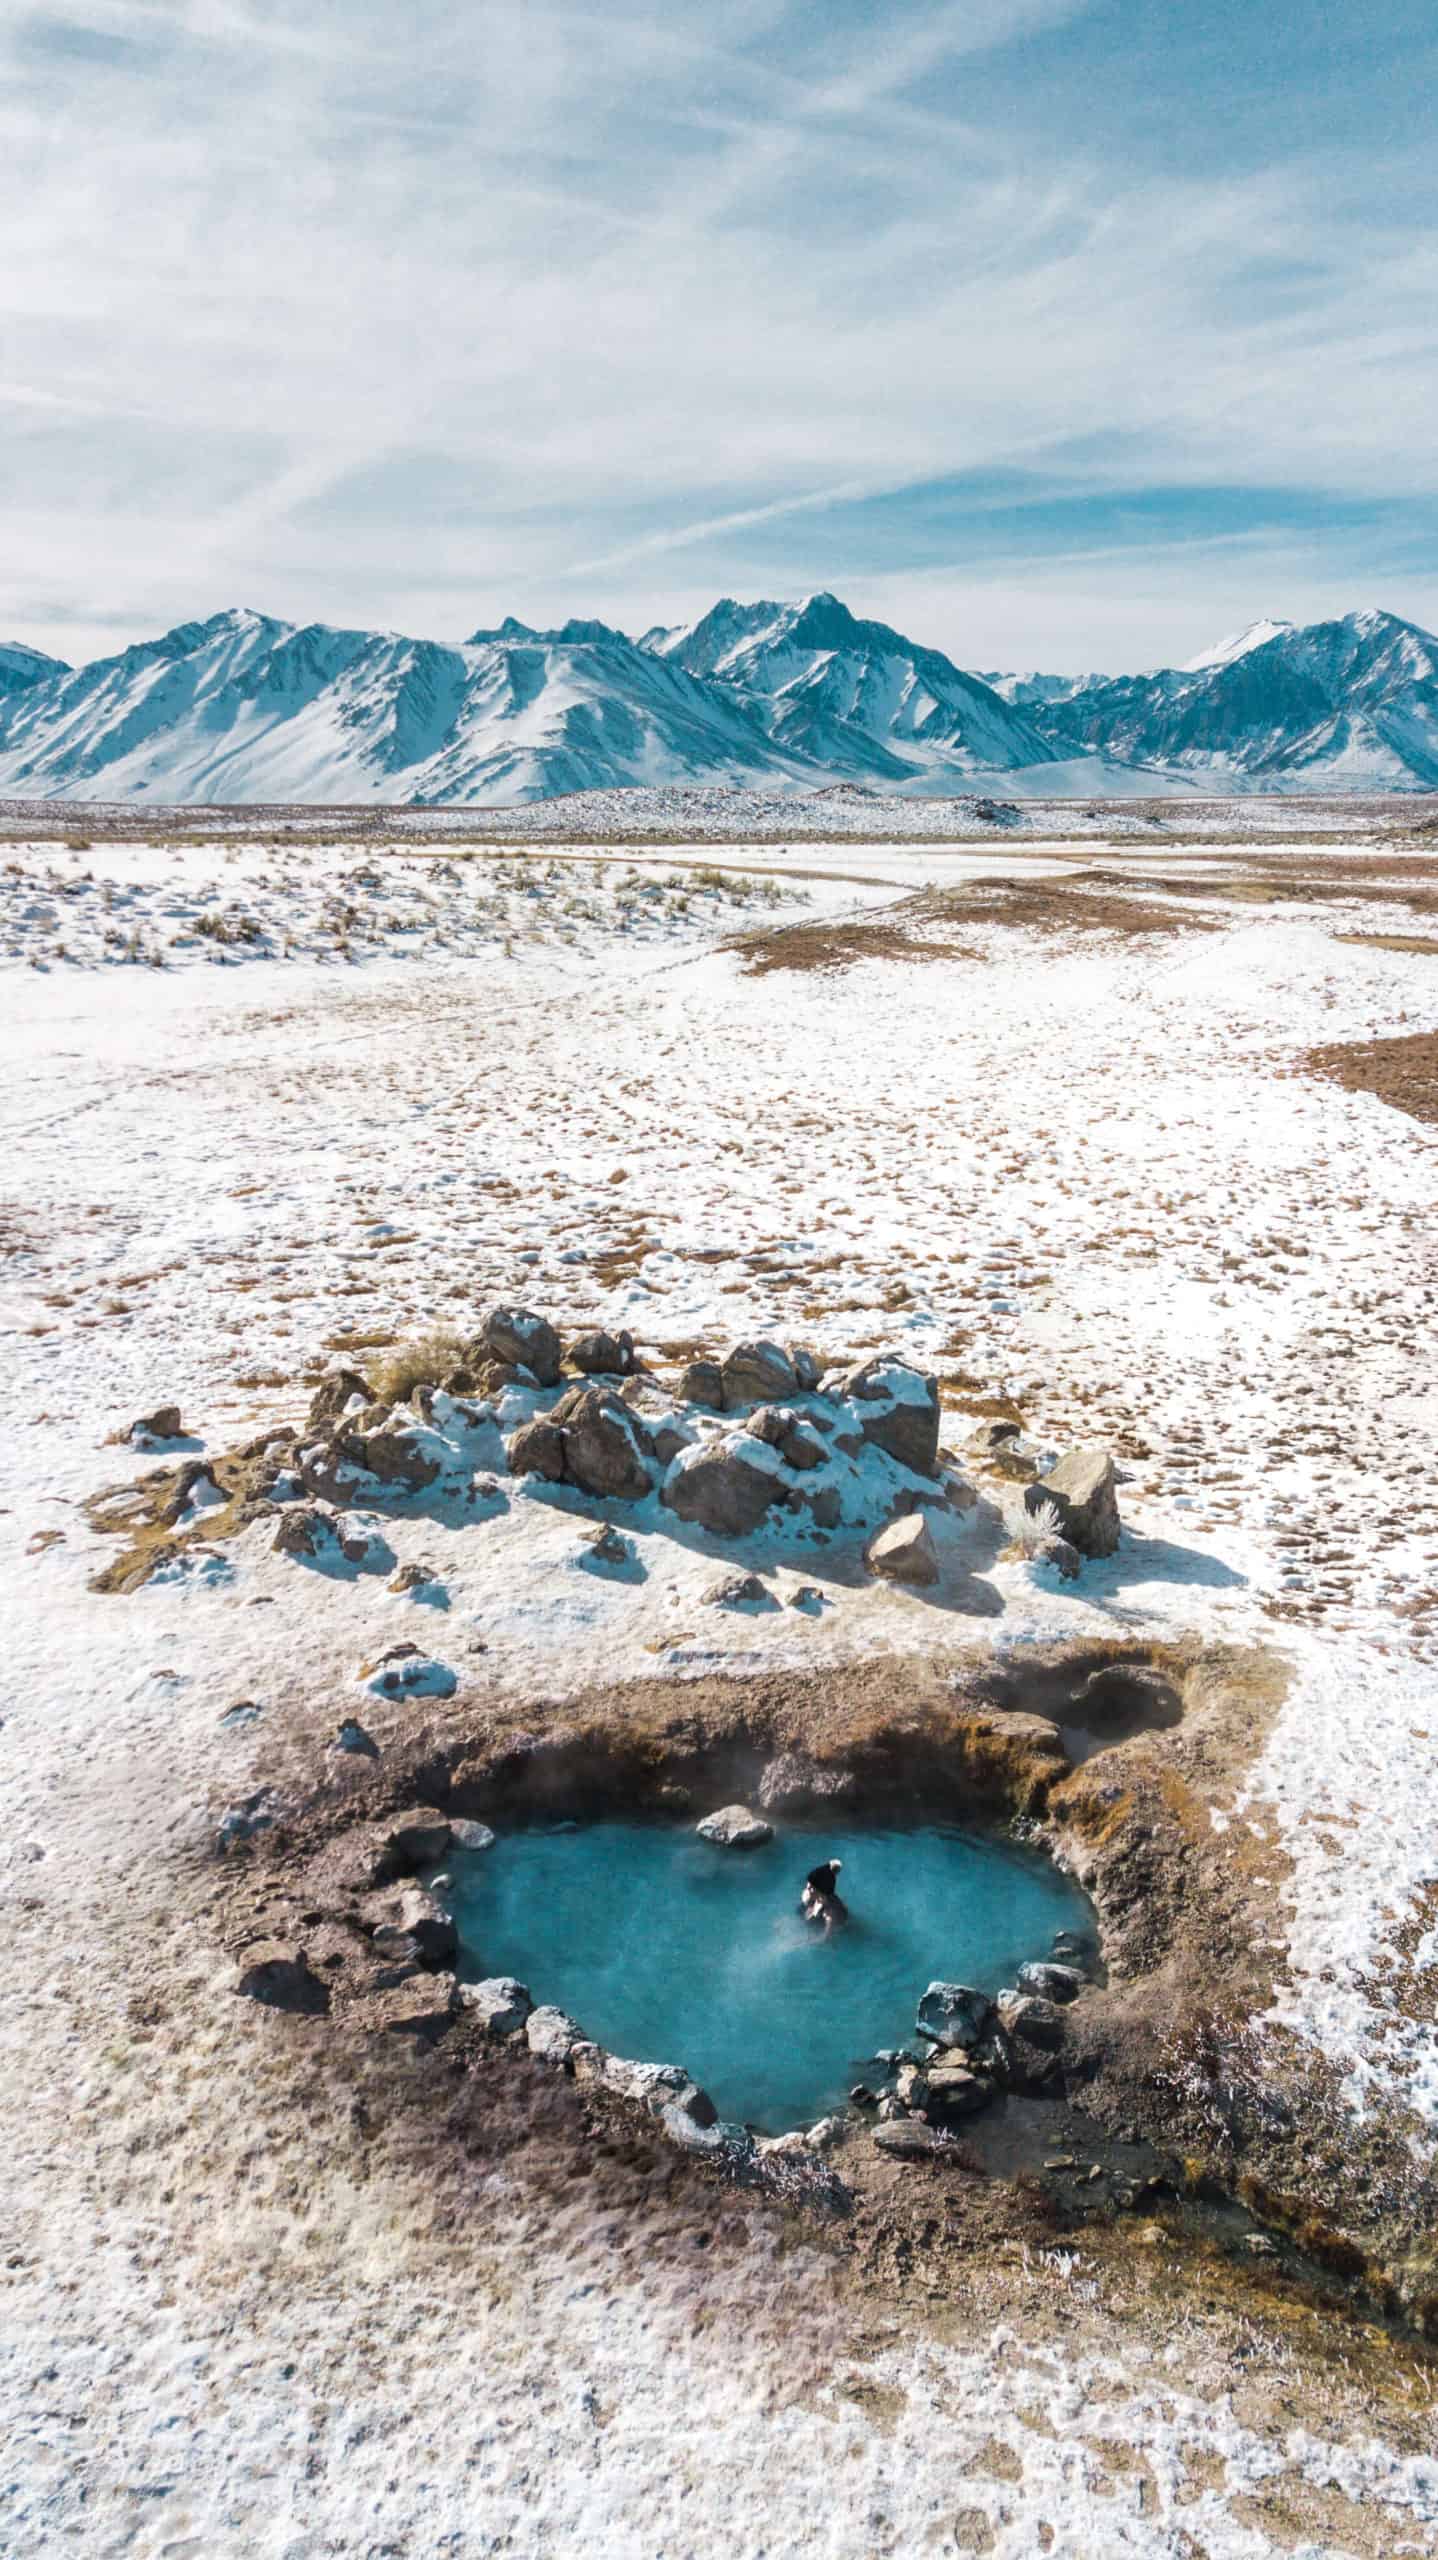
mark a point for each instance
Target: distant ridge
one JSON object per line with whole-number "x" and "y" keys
{"x": 775, "y": 696}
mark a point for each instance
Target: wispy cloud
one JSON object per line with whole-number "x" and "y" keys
{"x": 422, "y": 316}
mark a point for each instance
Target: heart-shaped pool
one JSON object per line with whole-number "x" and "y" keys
{"x": 666, "y": 1948}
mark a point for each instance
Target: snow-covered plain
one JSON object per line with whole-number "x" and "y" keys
{"x": 1081, "y": 1166}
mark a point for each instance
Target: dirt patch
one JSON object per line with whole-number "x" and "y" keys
{"x": 1402, "y": 1072}
{"x": 927, "y": 926}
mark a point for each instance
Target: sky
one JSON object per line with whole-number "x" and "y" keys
{"x": 1059, "y": 333}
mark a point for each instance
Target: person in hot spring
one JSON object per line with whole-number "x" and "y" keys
{"x": 819, "y": 1900}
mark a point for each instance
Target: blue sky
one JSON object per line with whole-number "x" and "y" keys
{"x": 1060, "y": 335}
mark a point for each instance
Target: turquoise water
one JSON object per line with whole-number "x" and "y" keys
{"x": 667, "y": 1949}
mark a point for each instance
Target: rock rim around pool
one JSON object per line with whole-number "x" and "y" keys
{"x": 953, "y": 2013}
{"x": 735, "y": 1827}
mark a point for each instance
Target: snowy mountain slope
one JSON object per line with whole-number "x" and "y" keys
{"x": 1255, "y": 635}
{"x": 1034, "y": 690}
{"x": 855, "y": 696}
{"x": 21, "y": 667}
{"x": 246, "y": 708}
{"x": 1351, "y": 704}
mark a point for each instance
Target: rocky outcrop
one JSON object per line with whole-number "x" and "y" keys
{"x": 517, "y": 1339}
{"x": 792, "y": 1783}
{"x": 591, "y": 1440}
{"x": 735, "y": 1827}
{"x": 499, "y": 2007}
{"x": 904, "y": 1552}
{"x": 1083, "y": 1490}
{"x": 550, "y": 2035}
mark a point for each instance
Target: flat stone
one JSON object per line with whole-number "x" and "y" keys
{"x": 735, "y": 1827}
{"x": 954, "y": 2091}
{"x": 499, "y": 2006}
{"x": 904, "y": 2138}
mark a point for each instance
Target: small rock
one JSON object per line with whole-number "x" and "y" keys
{"x": 163, "y": 1424}
{"x": 412, "y": 1577}
{"x": 244, "y": 1712}
{"x": 738, "y": 1591}
{"x": 499, "y": 2006}
{"x": 808, "y": 1597}
{"x": 1258, "y": 2245}
{"x": 735, "y": 1827}
{"x": 904, "y": 1552}
{"x": 241, "y": 1822}
{"x": 953, "y": 2091}
{"x": 353, "y": 1737}
{"x": 609, "y": 1545}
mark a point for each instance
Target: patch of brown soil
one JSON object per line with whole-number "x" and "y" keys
{"x": 1402, "y": 1072}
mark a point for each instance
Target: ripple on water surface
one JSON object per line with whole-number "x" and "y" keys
{"x": 668, "y": 1949}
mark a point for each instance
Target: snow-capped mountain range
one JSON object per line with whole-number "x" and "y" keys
{"x": 780, "y": 696}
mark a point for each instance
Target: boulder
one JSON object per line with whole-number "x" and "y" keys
{"x": 898, "y": 1411}
{"x": 719, "y": 1489}
{"x": 602, "y": 1444}
{"x": 352, "y": 1736}
{"x": 397, "y": 1457}
{"x": 537, "y": 1449}
{"x": 418, "y": 1837}
{"x": 738, "y": 1591}
{"x": 163, "y": 1424}
{"x": 470, "y": 1835}
{"x": 335, "y": 1394}
{"x": 316, "y": 1537}
{"x": 735, "y": 1827}
{"x": 702, "y": 1383}
{"x": 1031, "y": 2020}
{"x": 281, "y": 1978}
{"x": 514, "y": 1338}
{"x": 550, "y": 2035}
{"x": 950, "y": 2013}
{"x": 904, "y": 1552}
{"x": 420, "y": 2005}
{"x": 1083, "y": 1489}
{"x": 602, "y": 1355}
{"x": 499, "y": 2006}
{"x": 1061, "y": 1982}
{"x": 757, "y": 1373}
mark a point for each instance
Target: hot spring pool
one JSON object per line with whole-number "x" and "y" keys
{"x": 667, "y": 1949}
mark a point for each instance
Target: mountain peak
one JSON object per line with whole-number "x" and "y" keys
{"x": 1239, "y": 644}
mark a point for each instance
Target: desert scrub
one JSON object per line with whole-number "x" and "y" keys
{"x": 415, "y": 1364}
{"x": 219, "y": 928}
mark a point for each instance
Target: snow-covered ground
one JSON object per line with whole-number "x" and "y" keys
{"x": 1086, "y": 1168}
